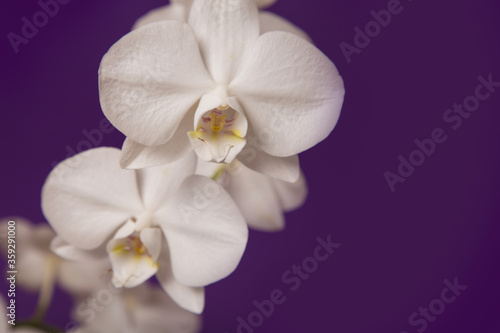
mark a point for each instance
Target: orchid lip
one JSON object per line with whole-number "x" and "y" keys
{"x": 132, "y": 244}
{"x": 132, "y": 261}
{"x": 219, "y": 134}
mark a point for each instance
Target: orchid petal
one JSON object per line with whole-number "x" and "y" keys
{"x": 32, "y": 263}
{"x": 150, "y": 79}
{"x": 173, "y": 11}
{"x": 225, "y": 30}
{"x": 145, "y": 309}
{"x": 256, "y": 198}
{"x": 112, "y": 318}
{"x": 83, "y": 278}
{"x": 200, "y": 146}
{"x": 4, "y": 327}
{"x": 87, "y": 197}
{"x": 205, "y": 232}
{"x": 152, "y": 239}
{"x": 189, "y": 298}
{"x": 272, "y": 22}
{"x": 210, "y": 169}
{"x": 33, "y": 256}
{"x": 252, "y": 156}
{"x": 157, "y": 185}
{"x": 242, "y": 124}
{"x": 69, "y": 252}
{"x": 30, "y": 235}
{"x": 264, "y": 3}
{"x": 138, "y": 156}
{"x": 298, "y": 113}
{"x": 291, "y": 195}
{"x": 156, "y": 312}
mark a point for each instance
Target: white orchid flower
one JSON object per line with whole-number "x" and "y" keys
{"x": 39, "y": 268}
{"x": 262, "y": 200}
{"x": 163, "y": 220}
{"x": 221, "y": 82}
{"x": 33, "y": 255}
{"x": 178, "y": 10}
{"x": 141, "y": 309}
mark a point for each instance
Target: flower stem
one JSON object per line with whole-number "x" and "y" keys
{"x": 47, "y": 290}
{"x": 218, "y": 173}
{"x": 40, "y": 326}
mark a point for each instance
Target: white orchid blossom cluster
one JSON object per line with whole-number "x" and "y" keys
{"x": 216, "y": 99}
{"x": 100, "y": 307}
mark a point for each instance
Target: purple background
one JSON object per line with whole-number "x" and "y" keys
{"x": 397, "y": 248}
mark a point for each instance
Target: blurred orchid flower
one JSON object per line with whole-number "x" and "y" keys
{"x": 141, "y": 309}
{"x": 39, "y": 268}
{"x": 164, "y": 220}
{"x": 178, "y": 10}
{"x": 262, "y": 200}
{"x": 217, "y": 79}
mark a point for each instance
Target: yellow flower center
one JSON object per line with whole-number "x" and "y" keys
{"x": 131, "y": 244}
{"x": 137, "y": 245}
{"x": 217, "y": 121}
